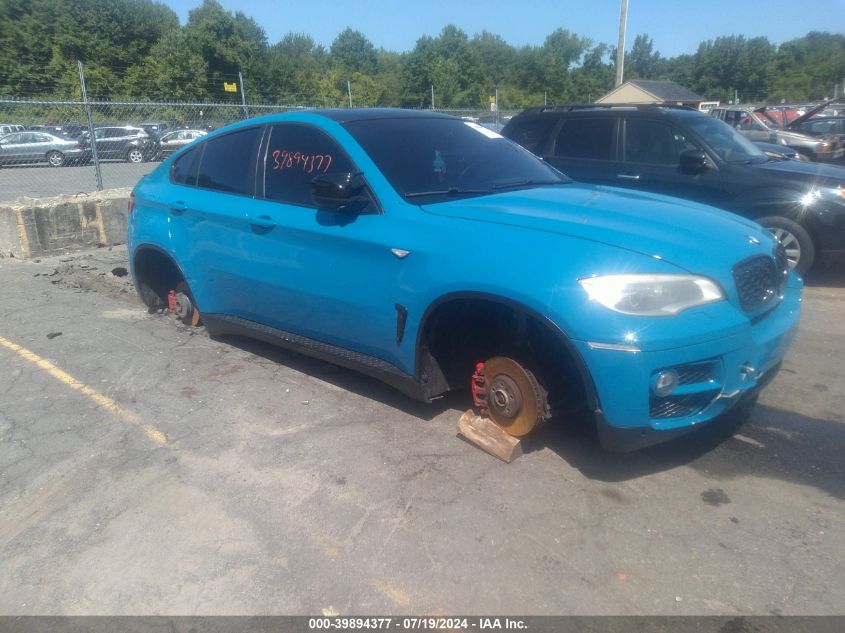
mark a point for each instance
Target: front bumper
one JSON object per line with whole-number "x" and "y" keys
{"x": 716, "y": 375}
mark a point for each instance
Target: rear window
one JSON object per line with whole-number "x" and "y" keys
{"x": 586, "y": 138}
{"x": 531, "y": 133}
{"x": 228, "y": 162}
{"x": 184, "y": 170}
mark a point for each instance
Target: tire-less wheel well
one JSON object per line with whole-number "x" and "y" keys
{"x": 463, "y": 332}
{"x": 155, "y": 275}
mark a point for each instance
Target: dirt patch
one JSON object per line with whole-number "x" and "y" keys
{"x": 104, "y": 271}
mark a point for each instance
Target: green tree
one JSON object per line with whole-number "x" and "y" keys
{"x": 643, "y": 61}
{"x": 352, "y": 52}
{"x": 229, "y": 44}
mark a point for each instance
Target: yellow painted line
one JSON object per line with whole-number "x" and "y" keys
{"x": 102, "y": 400}
{"x": 396, "y": 595}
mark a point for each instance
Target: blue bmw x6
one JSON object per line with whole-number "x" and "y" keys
{"x": 430, "y": 252}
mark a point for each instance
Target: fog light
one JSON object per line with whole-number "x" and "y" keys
{"x": 666, "y": 382}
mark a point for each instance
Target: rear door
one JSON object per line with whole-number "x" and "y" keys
{"x": 13, "y": 149}
{"x": 585, "y": 148}
{"x": 213, "y": 185}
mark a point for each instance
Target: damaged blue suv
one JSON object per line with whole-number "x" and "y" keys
{"x": 430, "y": 252}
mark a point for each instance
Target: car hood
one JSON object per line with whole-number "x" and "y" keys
{"x": 797, "y": 137}
{"x": 809, "y": 113}
{"x": 819, "y": 174}
{"x": 691, "y": 236}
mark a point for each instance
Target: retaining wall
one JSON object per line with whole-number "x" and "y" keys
{"x": 31, "y": 227}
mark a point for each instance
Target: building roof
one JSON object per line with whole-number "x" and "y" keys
{"x": 661, "y": 91}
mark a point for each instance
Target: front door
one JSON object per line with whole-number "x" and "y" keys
{"x": 651, "y": 153}
{"x": 325, "y": 274}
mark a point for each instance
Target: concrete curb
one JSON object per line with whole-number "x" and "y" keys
{"x": 30, "y": 227}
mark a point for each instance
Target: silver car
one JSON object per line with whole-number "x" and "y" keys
{"x": 40, "y": 147}
{"x": 177, "y": 139}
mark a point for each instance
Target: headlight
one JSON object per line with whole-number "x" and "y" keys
{"x": 651, "y": 295}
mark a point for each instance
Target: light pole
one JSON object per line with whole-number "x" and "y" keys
{"x": 620, "y": 47}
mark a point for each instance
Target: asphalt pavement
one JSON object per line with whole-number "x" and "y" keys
{"x": 41, "y": 181}
{"x": 148, "y": 469}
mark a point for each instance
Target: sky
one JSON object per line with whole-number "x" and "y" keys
{"x": 676, "y": 26}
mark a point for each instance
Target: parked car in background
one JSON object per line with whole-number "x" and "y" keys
{"x": 73, "y": 130}
{"x": 55, "y": 130}
{"x": 128, "y": 143}
{"x": 781, "y": 152}
{"x": 8, "y": 128}
{"x": 825, "y": 126}
{"x": 348, "y": 235}
{"x": 177, "y": 139}
{"x": 155, "y": 129}
{"x": 681, "y": 152}
{"x": 40, "y": 147}
{"x": 755, "y": 126}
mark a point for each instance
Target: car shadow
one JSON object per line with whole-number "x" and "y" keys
{"x": 771, "y": 443}
{"x": 827, "y": 274}
{"x": 350, "y": 380}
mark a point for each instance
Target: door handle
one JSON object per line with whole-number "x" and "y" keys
{"x": 628, "y": 176}
{"x": 178, "y": 208}
{"x": 263, "y": 222}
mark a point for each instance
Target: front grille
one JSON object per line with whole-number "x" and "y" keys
{"x": 758, "y": 283}
{"x": 679, "y": 406}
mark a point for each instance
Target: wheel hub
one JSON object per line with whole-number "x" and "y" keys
{"x": 505, "y": 396}
{"x": 516, "y": 401}
{"x": 182, "y": 306}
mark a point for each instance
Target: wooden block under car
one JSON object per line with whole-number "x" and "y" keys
{"x": 489, "y": 436}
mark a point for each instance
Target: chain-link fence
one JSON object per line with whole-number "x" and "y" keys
{"x": 46, "y": 147}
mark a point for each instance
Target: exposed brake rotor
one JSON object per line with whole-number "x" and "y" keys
{"x": 515, "y": 400}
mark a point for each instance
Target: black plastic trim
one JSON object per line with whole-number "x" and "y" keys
{"x": 224, "y": 324}
{"x": 401, "y": 319}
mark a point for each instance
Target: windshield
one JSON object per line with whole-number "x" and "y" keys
{"x": 730, "y": 145}
{"x": 435, "y": 159}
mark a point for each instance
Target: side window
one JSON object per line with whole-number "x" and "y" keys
{"x": 228, "y": 162}
{"x": 532, "y": 134}
{"x": 13, "y": 139}
{"x": 654, "y": 142}
{"x": 295, "y": 155}
{"x": 184, "y": 170}
{"x": 586, "y": 138}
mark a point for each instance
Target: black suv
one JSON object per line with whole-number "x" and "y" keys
{"x": 681, "y": 152}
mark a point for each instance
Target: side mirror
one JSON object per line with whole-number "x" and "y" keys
{"x": 345, "y": 192}
{"x": 693, "y": 161}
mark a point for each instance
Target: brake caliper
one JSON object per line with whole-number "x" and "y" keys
{"x": 479, "y": 389}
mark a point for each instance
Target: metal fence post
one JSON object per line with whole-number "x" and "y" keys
{"x": 243, "y": 95}
{"x": 94, "y": 157}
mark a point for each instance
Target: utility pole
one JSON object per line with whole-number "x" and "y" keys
{"x": 432, "y": 96}
{"x": 620, "y": 46}
{"x": 243, "y": 95}
{"x": 349, "y": 92}
{"x": 94, "y": 157}
{"x": 497, "y": 106}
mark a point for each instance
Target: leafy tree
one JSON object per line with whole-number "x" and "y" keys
{"x": 295, "y": 64}
{"x": 352, "y": 52}
{"x": 228, "y": 44}
{"x": 643, "y": 62}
